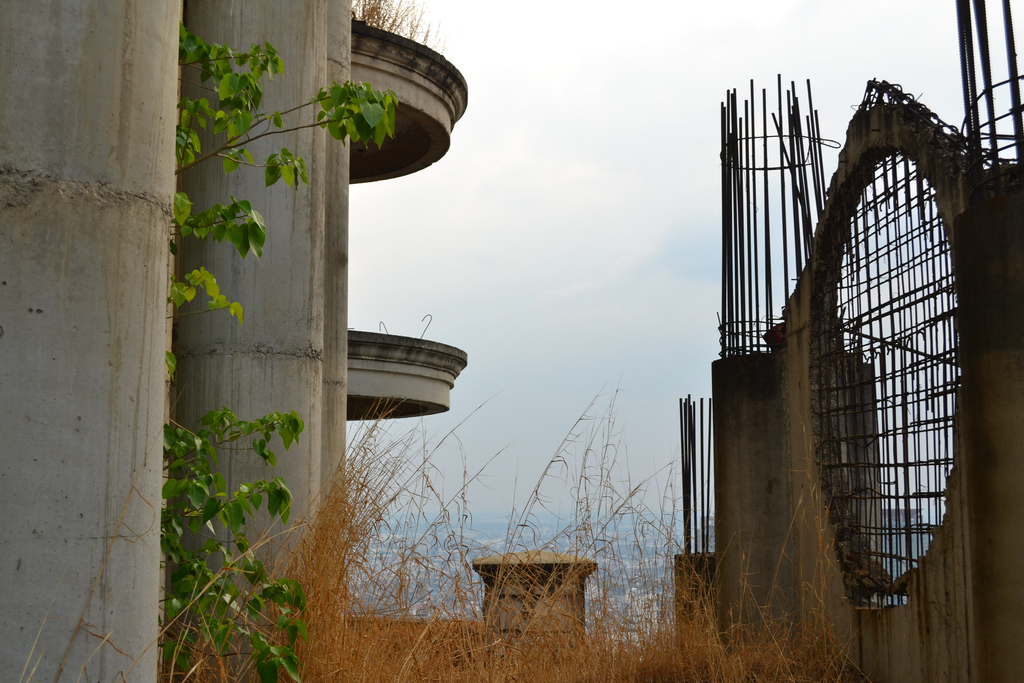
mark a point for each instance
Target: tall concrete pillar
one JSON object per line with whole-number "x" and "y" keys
{"x": 274, "y": 361}
{"x": 753, "y": 517}
{"x": 988, "y": 259}
{"x": 86, "y": 175}
{"x": 335, "y": 392}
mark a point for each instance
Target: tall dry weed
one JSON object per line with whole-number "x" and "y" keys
{"x": 392, "y": 597}
{"x": 406, "y": 18}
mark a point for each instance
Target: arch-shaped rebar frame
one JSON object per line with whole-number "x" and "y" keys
{"x": 883, "y": 343}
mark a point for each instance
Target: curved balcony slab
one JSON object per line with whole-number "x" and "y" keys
{"x": 391, "y": 376}
{"x": 432, "y": 96}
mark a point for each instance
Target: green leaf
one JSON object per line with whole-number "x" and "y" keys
{"x": 224, "y": 88}
{"x": 197, "y": 495}
{"x": 173, "y": 488}
{"x": 267, "y": 671}
{"x": 235, "y": 309}
{"x": 372, "y": 112}
{"x": 210, "y": 509}
{"x": 172, "y": 363}
{"x": 257, "y": 234}
{"x": 277, "y": 119}
{"x": 271, "y": 174}
{"x": 230, "y": 164}
{"x": 182, "y": 292}
{"x": 292, "y": 667}
{"x": 236, "y": 516}
{"x": 182, "y": 207}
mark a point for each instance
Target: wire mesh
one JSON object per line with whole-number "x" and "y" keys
{"x": 773, "y": 192}
{"x": 887, "y": 384}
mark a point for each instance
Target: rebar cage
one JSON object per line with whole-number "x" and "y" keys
{"x": 773, "y": 192}
{"x": 888, "y": 377}
{"x": 994, "y": 116}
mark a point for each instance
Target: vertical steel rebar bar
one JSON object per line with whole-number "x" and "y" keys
{"x": 754, "y": 222}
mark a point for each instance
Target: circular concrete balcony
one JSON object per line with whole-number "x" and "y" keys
{"x": 432, "y": 96}
{"x": 391, "y": 376}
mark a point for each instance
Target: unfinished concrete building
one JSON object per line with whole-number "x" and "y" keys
{"x": 869, "y": 421}
{"x": 87, "y": 108}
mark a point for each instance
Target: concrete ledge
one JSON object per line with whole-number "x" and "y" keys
{"x": 392, "y": 376}
{"x": 432, "y": 96}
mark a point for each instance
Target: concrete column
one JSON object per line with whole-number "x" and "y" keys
{"x": 988, "y": 259}
{"x": 753, "y": 519}
{"x": 335, "y": 392}
{"x": 274, "y": 361}
{"x": 86, "y": 175}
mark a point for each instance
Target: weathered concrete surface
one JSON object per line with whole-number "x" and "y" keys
{"x": 988, "y": 255}
{"x": 86, "y": 176}
{"x": 274, "y": 361}
{"x": 393, "y": 376}
{"x": 335, "y": 370}
{"x": 432, "y": 96}
{"x": 926, "y": 639}
{"x": 754, "y": 573}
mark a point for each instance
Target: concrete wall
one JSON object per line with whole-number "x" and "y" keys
{"x": 988, "y": 255}
{"x": 274, "y": 362}
{"x": 926, "y": 639}
{"x": 86, "y": 176}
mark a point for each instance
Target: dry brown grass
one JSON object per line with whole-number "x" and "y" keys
{"x": 359, "y": 606}
{"x": 373, "y": 551}
{"x": 406, "y": 18}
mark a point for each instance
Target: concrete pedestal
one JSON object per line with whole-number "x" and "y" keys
{"x": 534, "y": 593}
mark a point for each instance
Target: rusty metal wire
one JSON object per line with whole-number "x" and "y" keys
{"x": 884, "y": 92}
{"x": 698, "y": 476}
{"x": 888, "y": 377}
{"x": 773, "y": 192}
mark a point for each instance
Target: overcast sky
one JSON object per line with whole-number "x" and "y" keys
{"x": 569, "y": 241}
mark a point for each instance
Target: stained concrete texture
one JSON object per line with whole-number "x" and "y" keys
{"x": 86, "y": 177}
